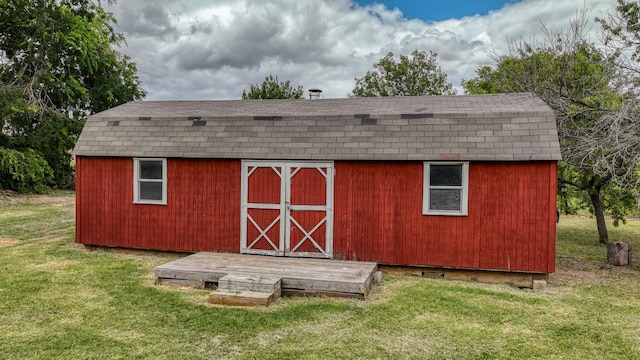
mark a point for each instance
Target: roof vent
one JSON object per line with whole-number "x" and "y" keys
{"x": 315, "y": 94}
{"x": 144, "y": 117}
{"x": 267, "y": 118}
{"x": 416, "y": 116}
{"x": 113, "y": 123}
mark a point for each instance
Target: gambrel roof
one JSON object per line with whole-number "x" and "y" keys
{"x": 499, "y": 127}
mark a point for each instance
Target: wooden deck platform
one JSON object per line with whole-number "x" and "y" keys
{"x": 298, "y": 275}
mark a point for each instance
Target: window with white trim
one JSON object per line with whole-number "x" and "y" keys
{"x": 446, "y": 185}
{"x": 150, "y": 181}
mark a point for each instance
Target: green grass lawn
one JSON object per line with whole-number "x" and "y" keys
{"x": 59, "y": 300}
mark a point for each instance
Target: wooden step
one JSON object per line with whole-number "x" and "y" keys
{"x": 264, "y": 283}
{"x": 300, "y": 276}
{"x": 241, "y": 298}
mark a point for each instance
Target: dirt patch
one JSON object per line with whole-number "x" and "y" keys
{"x": 62, "y": 200}
{"x": 8, "y": 241}
{"x": 568, "y": 276}
{"x": 572, "y": 271}
{"x": 66, "y": 201}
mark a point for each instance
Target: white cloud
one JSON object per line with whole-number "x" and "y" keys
{"x": 213, "y": 50}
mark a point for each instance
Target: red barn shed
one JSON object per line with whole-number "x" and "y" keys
{"x": 463, "y": 182}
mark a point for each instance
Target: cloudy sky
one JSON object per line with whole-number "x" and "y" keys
{"x": 210, "y": 50}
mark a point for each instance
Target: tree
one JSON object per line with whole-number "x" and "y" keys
{"x": 598, "y": 136}
{"x": 621, "y": 38}
{"x": 415, "y": 75}
{"x": 57, "y": 55}
{"x": 621, "y": 32}
{"x": 272, "y": 89}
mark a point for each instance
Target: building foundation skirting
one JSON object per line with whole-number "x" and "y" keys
{"x": 517, "y": 279}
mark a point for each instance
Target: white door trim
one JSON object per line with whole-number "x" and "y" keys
{"x": 281, "y": 247}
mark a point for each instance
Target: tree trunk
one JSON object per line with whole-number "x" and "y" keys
{"x": 567, "y": 211}
{"x": 598, "y": 210}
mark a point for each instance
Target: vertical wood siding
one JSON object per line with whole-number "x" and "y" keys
{"x": 202, "y": 211}
{"x": 377, "y": 213}
{"x": 510, "y": 226}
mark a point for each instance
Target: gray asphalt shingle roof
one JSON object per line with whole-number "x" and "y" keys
{"x": 500, "y": 127}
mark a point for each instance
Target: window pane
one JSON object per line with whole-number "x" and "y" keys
{"x": 150, "y": 169}
{"x": 440, "y": 199}
{"x": 445, "y": 175}
{"x": 150, "y": 190}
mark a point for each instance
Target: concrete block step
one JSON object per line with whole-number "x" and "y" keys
{"x": 251, "y": 282}
{"x": 242, "y": 298}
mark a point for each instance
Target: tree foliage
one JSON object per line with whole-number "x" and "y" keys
{"x": 272, "y": 89}
{"x": 55, "y": 55}
{"x": 415, "y": 75}
{"x": 595, "y": 116}
{"x": 621, "y": 32}
{"x": 23, "y": 171}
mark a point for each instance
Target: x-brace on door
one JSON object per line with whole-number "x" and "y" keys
{"x": 287, "y": 208}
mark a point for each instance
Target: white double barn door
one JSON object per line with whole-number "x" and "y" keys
{"x": 287, "y": 208}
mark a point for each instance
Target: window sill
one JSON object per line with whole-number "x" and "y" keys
{"x": 143, "y": 202}
{"x": 443, "y": 213}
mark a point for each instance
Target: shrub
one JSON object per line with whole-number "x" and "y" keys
{"x": 24, "y": 171}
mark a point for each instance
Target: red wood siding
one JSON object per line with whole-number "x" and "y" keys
{"x": 510, "y": 226}
{"x": 377, "y": 212}
{"x": 202, "y": 211}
